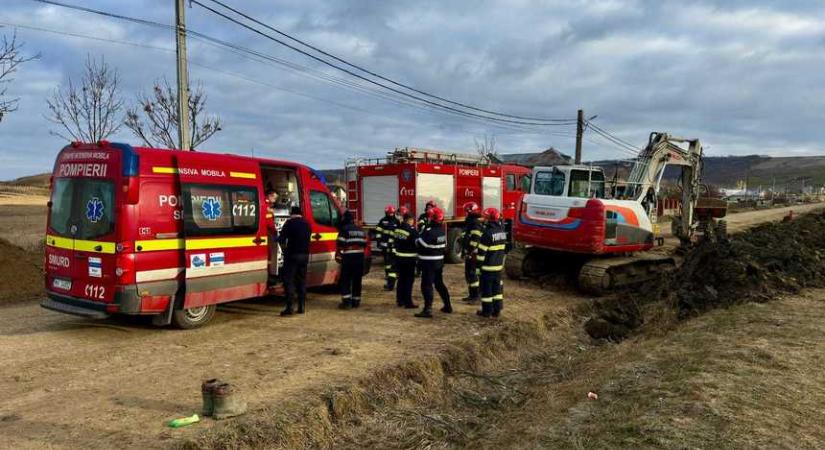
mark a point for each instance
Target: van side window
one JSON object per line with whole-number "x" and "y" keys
{"x": 212, "y": 209}
{"x": 511, "y": 182}
{"x": 525, "y": 183}
{"x": 323, "y": 209}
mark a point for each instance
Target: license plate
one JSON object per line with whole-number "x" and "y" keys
{"x": 62, "y": 284}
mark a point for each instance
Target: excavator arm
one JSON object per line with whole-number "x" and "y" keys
{"x": 663, "y": 150}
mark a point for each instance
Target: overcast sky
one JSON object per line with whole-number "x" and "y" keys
{"x": 744, "y": 76}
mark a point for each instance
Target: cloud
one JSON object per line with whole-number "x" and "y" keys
{"x": 744, "y": 76}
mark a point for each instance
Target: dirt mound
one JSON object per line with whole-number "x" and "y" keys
{"x": 21, "y": 273}
{"x": 756, "y": 265}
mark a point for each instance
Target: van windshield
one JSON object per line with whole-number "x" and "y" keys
{"x": 82, "y": 208}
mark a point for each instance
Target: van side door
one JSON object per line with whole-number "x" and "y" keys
{"x": 323, "y": 215}
{"x": 225, "y": 247}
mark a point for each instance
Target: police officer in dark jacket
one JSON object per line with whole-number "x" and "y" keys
{"x": 385, "y": 234}
{"x": 294, "y": 240}
{"x": 406, "y": 256}
{"x": 492, "y": 249}
{"x": 470, "y": 235}
{"x": 352, "y": 240}
{"x": 432, "y": 244}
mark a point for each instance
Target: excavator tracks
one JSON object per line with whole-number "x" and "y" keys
{"x": 600, "y": 276}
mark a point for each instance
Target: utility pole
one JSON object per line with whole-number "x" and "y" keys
{"x": 183, "y": 77}
{"x": 579, "y": 135}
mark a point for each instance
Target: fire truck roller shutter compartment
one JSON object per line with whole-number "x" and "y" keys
{"x": 381, "y": 191}
{"x": 438, "y": 187}
{"x": 491, "y": 192}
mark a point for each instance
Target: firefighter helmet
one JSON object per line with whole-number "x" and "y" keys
{"x": 430, "y": 204}
{"x": 403, "y": 211}
{"x": 492, "y": 214}
{"x": 390, "y": 210}
{"x": 437, "y": 215}
{"x": 472, "y": 208}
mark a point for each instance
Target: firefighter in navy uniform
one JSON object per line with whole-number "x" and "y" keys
{"x": 385, "y": 234}
{"x": 432, "y": 244}
{"x": 422, "y": 223}
{"x": 492, "y": 248}
{"x": 406, "y": 256}
{"x": 470, "y": 235}
{"x": 294, "y": 241}
{"x": 349, "y": 252}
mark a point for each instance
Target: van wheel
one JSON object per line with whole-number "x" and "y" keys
{"x": 199, "y": 316}
{"x": 454, "y": 245}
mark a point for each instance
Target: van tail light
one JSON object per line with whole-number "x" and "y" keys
{"x": 132, "y": 190}
{"x": 125, "y": 264}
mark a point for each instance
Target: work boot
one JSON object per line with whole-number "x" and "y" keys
{"x": 345, "y": 304}
{"x": 447, "y": 308}
{"x": 356, "y": 302}
{"x": 486, "y": 309}
{"x": 299, "y": 311}
{"x": 425, "y": 314}
{"x": 287, "y": 312}
{"x": 208, "y": 394}
{"x": 227, "y": 402}
{"x": 410, "y": 306}
{"x": 498, "y": 305}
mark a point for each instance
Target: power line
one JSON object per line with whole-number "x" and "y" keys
{"x": 368, "y": 80}
{"x": 381, "y": 77}
{"x": 497, "y": 121}
{"x": 613, "y": 138}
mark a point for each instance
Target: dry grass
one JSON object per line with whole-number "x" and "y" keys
{"x": 745, "y": 377}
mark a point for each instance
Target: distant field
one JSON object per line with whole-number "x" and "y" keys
{"x": 23, "y": 225}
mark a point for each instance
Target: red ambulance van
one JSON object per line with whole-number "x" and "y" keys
{"x": 172, "y": 234}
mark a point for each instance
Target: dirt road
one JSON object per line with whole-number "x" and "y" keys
{"x": 73, "y": 383}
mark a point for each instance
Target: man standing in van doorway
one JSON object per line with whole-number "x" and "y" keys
{"x": 294, "y": 240}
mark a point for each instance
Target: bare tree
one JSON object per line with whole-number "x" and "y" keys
{"x": 10, "y": 60}
{"x": 487, "y": 146}
{"x": 90, "y": 111}
{"x": 160, "y": 110}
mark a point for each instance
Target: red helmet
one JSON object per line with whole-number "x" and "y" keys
{"x": 492, "y": 214}
{"x": 472, "y": 208}
{"x": 430, "y": 204}
{"x": 403, "y": 211}
{"x": 390, "y": 209}
{"x": 436, "y": 215}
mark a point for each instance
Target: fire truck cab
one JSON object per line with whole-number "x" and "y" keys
{"x": 411, "y": 177}
{"x": 172, "y": 234}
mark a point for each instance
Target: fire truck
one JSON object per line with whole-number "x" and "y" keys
{"x": 411, "y": 177}
{"x": 172, "y": 234}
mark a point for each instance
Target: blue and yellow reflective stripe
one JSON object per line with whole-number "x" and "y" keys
{"x": 331, "y": 236}
{"x": 492, "y": 268}
{"x": 476, "y": 232}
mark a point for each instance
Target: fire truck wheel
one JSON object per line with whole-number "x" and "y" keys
{"x": 193, "y": 317}
{"x": 454, "y": 245}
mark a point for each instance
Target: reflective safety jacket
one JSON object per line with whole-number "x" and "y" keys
{"x": 352, "y": 240}
{"x": 432, "y": 244}
{"x": 385, "y": 231}
{"x": 405, "y": 245}
{"x": 492, "y": 248}
{"x": 470, "y": 234}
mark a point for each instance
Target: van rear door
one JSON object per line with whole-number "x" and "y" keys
{"x": 82, "y": 224}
